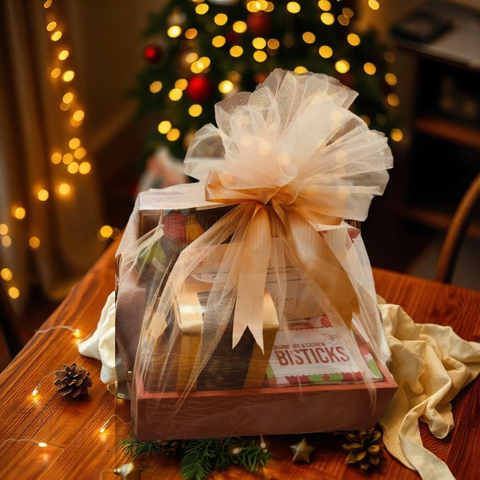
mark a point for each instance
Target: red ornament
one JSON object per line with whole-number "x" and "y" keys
{"x": 199, "y": 89}
{"x": 259, "y": 23}
{"x": 231, "y": 37}
{"x": 152, "y": 53}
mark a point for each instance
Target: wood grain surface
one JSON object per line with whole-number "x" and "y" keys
{"x": 76, "y": 449}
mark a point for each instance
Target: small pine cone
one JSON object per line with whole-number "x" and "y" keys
{"x": 72, "y": 381}
{"x": 364, "y": 448}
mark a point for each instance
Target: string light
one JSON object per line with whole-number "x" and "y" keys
{"x": 239, "y": 27}
{"x": 31, "y": 440}
{"x": 13, "y": 292}
{"x": 262, "y": 443}
{"x": 391, "y": 79}
{"x": 396, "y": 135}
{"x": 63, "y": 55}
{"x": 259, "y": 43}
{"x": 3, "y": 229}
{"x": 68, "y": 76}
{"x": 300, "y": 69}
{"x": 73, "y": 168}
{"x": 56, "y": 158}
{"x": 226, "y": 86}
{"x": 174, "y": 31}
{"x": 293, "y": 7}
{"x": 220, "y": 19}
{"x": 51, "y": 26}
{"x": 79, "y": 115}
{"x": 34, "y": 243}
{"x": 42, "y": 195}
{"x": 76, "y": 334}
{"x": 19, "y": 213}
{"x": 56, "y": 72}
{"x": 80, "y": 153}
{"x": 67, "y": 158}
{"x": 393, "y": 100}
{"x": 156, "y": 86}
{"x": 273, "y": 44}
{"x": 308, "y": 37}
{"x": 218, "y": 41}
{"x": 6, "y": 274}
{"x": 236, "y": 450}
{"x": 353, "y": 39}
{"x": 342, "y": 66}
{"x": 324, "y": 5}
{"x": 68, "y": 97}
{"x": 56, "y": 36}
{"x": 236, "y": 51}
{"x": 164, "y": 127}
{"x": 325, "y": 51}
{"x": 348, "y": 12}
{"x": 195, "y": 110}
{"x": 6, "y": 241}
{"x": 175, "y": 94}
{"x": 259, "y": 56}
{"x": 47, "y": 4}
{"x": 343, "y": 20}
{"x": 201, "y": 9}
{"x": 191, "y": 57}
{"x": 74, "y": 143}
{"x": 370, "y": 68}
{"x": 373, "y": 4}
{"x": 327, "y": 18}
{"x": 106, "y": 231}
{"x": 107, "y": 424}
{"x": 84, "y": 168}
{"x": 181, "y": 84}
{"x": 173, "y": 135}
{"x": 37, "y": 388}
{"x": 64, "y": 189}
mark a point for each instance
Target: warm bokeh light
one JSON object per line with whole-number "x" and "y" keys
{"x": 64, "y": 189}
{"x": 195, "y": 110}
{"x": 6, "y": 241}
{"x": 370, "y": 68}
{"x": 308, "y": 37}
{"x": 273, "y": 44}
{"x": 373, "y": 4}
{"x": 6, "y": 274}
{"x": 56, "y": 158}
{"x": 259, "y": 43}
{"x": 80, "y": 153}
{"x": 84, "y": 168}
{"x": 42, "y": 195}
{"x": 324, "y": 5}
{"x": 73, "y": 168}
{"x": 156, "y": 86}
{"x": 300, "y": 69}
{"x": 63, "y": 55}
{"x": 74, "y": 143}
{"x": 201, "y": 9}
{"x": 56, "y": 72}
{"x": 396, "y": 135}
{"x": 13, "y": 292}
{"x": 68, "y": 97}
{"x": 218, "y": 41}
{"x": 325, "y": 51}
{"x": 181, "y": 84}
{"x": 236, "y": 51}
{"x": 293, "y": 7}
{"x": 191, "y": 33}
{"x": 34, "y": 242}
{"x": 79, "y": 115}
{"x": 366, "y": 119}
{"x": 225, "y": 87}
{"x": 3, "y": 228}
{"x": 343, "y": 20}
{"x": 56, "y": 36}
{"x": 164, "y": 127}
{"x": 260, "y": 56}
{"x": 67, "y": 158}
{"x": 68, "y": 76}
{"x": 327, "y": 18}
{"x": 106, "y": 231}
{"x": 220, "y": 19}
{"x": 51, "y": 26}
{"x": 391, "y": 79}
{"x": 353, "y": 39}
{"x": 342, "y": 66}
{"x": 173, "y": 134}
{"x": 389, "y": 57}
{"x": 393, "y": 100}
{"x": 240, "y": 27}
{"x": 175, "y": 94}
{"x": 19, "y": 213}
{"x": 348, "y": 12}
{"x": 174, "y": 31}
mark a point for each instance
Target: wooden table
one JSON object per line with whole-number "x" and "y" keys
{"x": 76, "y": 449}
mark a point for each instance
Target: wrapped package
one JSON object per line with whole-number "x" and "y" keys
{"x": 246, "y": 302}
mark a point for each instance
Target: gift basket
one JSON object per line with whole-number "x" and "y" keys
{"x": 245, "y": 301}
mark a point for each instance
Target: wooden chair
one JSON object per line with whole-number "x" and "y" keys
{"x": 456, "y": 232}
{"x": 10, "y": 343}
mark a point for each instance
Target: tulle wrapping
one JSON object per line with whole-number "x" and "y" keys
{"x": 293, "y": 162}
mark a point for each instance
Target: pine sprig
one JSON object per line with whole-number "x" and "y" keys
{"x": 135, "y": 448}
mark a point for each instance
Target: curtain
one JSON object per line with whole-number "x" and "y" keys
{"x": 50, "y": 211}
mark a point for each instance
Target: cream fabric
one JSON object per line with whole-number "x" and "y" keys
{"x": 430, "y": 364}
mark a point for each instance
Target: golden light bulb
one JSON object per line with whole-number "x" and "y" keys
{"x": 19, "y": 213}
{"x": 42, "y": 195}
{"x": 240, "y": 27}
{"x": 309, "y": 37}
{"x": 64, "y": 189}
{"x": 35, "y": 392}
{"x": 34, "y": 242}
{"x": 84, "y": 168}
{"x": 56, "y": 72}
{"x": 201, "y": 9}
{"x": 174, "y": 31}
{"x": 259, "y": 43}
{"x": 164, "y": 127}
{"x": 156, "y": 86}
{"x": 56, "y": 36}
{"x": 106, "y": 231}
{"x": 173, "y": 135}
{"x": 42, "y": 444}
{"x": 14, "y": 292}
{"x": 67, "y": 158}
{"x": 220, "y": 19}
{"x": 273, "y": 44}
{"x": 353, "y": 39}
{"x": 226, "y": 86}
{"x": 195, "y": 110}
{"x": 324, "y": 5}
{"x": 342, "y": 66}
{"x": 293, "y": 7}
{"x": 252, "y": 6}
{"x": 63, "y": 55}
{"x": 325, "y": 51}
{"x": 218, "y": 41}
{"x": 76, "y": 333}
{"x": 68, "y": 76}
{"x": 68, "y": 97}
{"x": 236, "y": 51}
{"x": 396, "y": 134}
{"x": 73, "y": 168}
{"x": 370, "y": 68}
{"x": 260, "y": 56}
{"x": 327, "y": 18}
{"x": 74, "y": 143}
{"x": 175, "y": 94}
{"x": 6, "y": 274}
{"x": 79, "y": 115}
{"x": 191, "y": 33}
{"x": 373, "y": 4}
{"x": 56, "y": 158}
{"x": 51, "y": 26}
{"x": 80, "y": 153}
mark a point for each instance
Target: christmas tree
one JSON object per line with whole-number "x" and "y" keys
{"x": 200, "y": 52}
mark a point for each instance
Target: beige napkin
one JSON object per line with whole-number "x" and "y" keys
{"x": 430, "y": 364}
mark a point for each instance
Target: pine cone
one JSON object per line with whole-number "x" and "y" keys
{"x": 72, "y": 381}
{"x": 364, "y": 448}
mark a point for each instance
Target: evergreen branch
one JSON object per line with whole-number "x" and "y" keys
{"x": 135, "y": 448}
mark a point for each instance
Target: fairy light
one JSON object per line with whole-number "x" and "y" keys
{"x": 76, "y": 334}
{"x": 174, "y": 31}
{"x": 34, "y": 243}
{"x": 300, "y": 69}
{"x": 56, "y": 72}
{"x": 13, "y": 292}
{"x": 106, "y": 231}
{"x": 3, "y": 228}
{"x": 325, "y": 51}
{"x": 260, "y": 56}
{"x": 370, "y": 68}
{"x": 308, "y": 37}
{"x": 195, "y": 110}
{"x": 236, "y": 450}
{"x": 259, "y": 43}
{"x": 68, "y": 76}
{"x": 79, "y": 115}
{"x": 156, "y": 86}
{"x": 391, "y": 79}
{"x": 74, "y": 143}
{"x": 63, "y": 55}
{"x": 218, "y": 41}
{"x": 181, "y": 84}
{"x": 39, "y": 384}
{"x": 396, "y": 135}
{"x": 42, "y": 195}
{"x": 393, "y": 100}
{"x": 164, "y": 127}
{"x": 252, "y": 7}
{"x": 226, "y": 86}
{"x": 236, "y": 51}
{"x": 73, "y": 168}
{"x": 201, "y": 9}
{"x": 56, "y": 36}
{"x": 373, "y": 4}
{"x": 64, "y": 189}
{"x": 353, "y": 39}
{"x": 348, "y": 12}
{"x": 51, "y": 26}
{"x": 273, "y": 44}
{"x": 6, "y": 274}
{"x": 293, "y": 7}
{"x": 175, "y": 94}
{"x": 220, "y": 19}
{"x": 68, "y": 97}
{"x": 262, "y": 443}
{"x": 191, "y": 33}
{"x": 19, "y": 213}
{"x": 239, "y": 27}
{"x": 342, "y": 66}
{"x": 173, "y": 135}
{"x": 56, "y": 158}
{"x": 191, "y": 57}
{"x": 47, "y": 4}
{"x": 30, "y": 440}
{"x": 327, "y": 18}
{"x": 80, "y": 153}
{"x": 324, "y": 5}
{"x": 107, "y": 424}
{"x": 67, "y": 159}
{"x": 84, "y": 168}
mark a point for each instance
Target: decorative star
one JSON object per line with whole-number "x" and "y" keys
{"x": 301, "y": 452}
{"x": 130, "y": 471}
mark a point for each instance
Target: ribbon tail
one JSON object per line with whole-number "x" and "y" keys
{"x": 252, "y": 278}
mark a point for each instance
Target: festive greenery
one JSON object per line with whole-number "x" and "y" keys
{"x": 199, "y": 52}
{"x": 200, "y": 457}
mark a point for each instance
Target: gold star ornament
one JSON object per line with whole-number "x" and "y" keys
{"x": 130, "y": 471}
{"x": 301, "y": 452}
